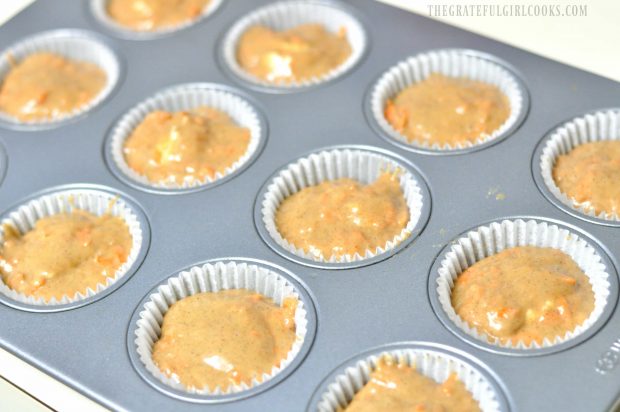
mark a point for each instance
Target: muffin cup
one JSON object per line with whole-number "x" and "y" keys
{"x": 594, "y": 127}
{"x": 214, "y": 277}
{"x": 428, "y": 362}
{"x": 78, "y": 45}
{"x": 452, "y": 63}
{"x": 98, "y": 10}
{"x": 491, "y": 239}
{"x": 183, "y": 98}
{"x": 97, "y": 202}
{"x": 286, "y": 15}
{"x": 364, "y": 166}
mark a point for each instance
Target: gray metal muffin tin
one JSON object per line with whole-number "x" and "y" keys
{"x": 357, "y": 309}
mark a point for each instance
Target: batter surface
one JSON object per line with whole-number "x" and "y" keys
{"x": 185, "y": 146}
{"x": 591, "y": 173}
{"x": 64, "y": 254}
{"x": 47, "y": 85}
{"x": 154, "y": 14}
{"x": 224, "y": 338}
{"x": 305, "y": 51}
{"x": 524, "y": 294}
{"x": 446, "y": 110}
{"x": 400, "y": 388}
{"x": 343, "y": 216}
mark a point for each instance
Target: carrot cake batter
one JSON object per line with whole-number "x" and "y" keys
{"x": 398, "y": 387}
{"x": 590, "y": 173}
{"x": 525, "y": 293}
{"x": 154, "y": 14}
{"x": 47, "y": 85}
{"x": 185, "y": 147}
{"x": 343, "y": 216}
{"x": 300, "y": 53}
{"x": 64, "y": 254}
{"x": 224, "y": 338}
{"x": 447, "y": 110}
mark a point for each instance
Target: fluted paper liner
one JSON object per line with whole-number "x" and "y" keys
{"x": 452, "y": 63}
{"x": 286, "y": 15}
{"x": 595, "y": 127}
{"x": 492, "y": 239}
{"x": 96, "y": 202}
{"x": 187, "y": 97}
{"x": 433, "y": 364}
{"x": 99, "y": 10}
{"x": 215, "y": 277}
{"x": 363, "y": 166}
{"x": 77, "y": 45}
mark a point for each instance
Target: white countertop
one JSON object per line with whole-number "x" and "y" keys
{"x": 587, "y": 42}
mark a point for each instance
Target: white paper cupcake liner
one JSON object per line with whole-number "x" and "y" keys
{"x": 598, "y": 126}
{"x": 99, "y": 10}
{"x": 215, "y": 277}
{"x": 496, "y": 237}
{"x": 96, "y": 202}
{"x": 186, "y": 97}
{"x": 286, "y": 15}
{"x": 452, "y": 63}
{"x": 76, "y": 45}
{"x": 435, "y": 365}
{"x": 363, "y": 166}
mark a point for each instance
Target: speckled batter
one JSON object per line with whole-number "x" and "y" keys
{"x": 44, "y": 86}
{"x": 184, "y": 147}
{"x": 64, "y": 254}
{"x": 400, "y": 388}
{"x": 300, "y": 53}
{"x": 224, "y": 338}
{"x": 524, "y": 294}
{"x": 445, "y": 110}
{"x": 590, "y": 174}
{"x": 154, "y": 14}
{"x": 343, "y": 216}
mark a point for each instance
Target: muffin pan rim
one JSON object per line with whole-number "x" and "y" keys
{"x": 419, "y": 227}
{"x": 609, "y": 309}
{"x": 489, "y": 57}
{"x": 312, "y": 328}
{"x": 131, "y": 203}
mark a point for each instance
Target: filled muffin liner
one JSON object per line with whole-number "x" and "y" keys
{"x": 432, "y": 364}
{"x": 491, "y": 239}
{"x": 595, "y": 127}
{"x": 287, "y": 15}
{"x": 361, "y": 165}
{"x": 451, "y": 63}
{"x": 77, "y": 45}
{"x": 99, "y": 10}
{"x": 24, "y": 218}
{"x": 186, "y": 97}
{"x": 215, "y": 277}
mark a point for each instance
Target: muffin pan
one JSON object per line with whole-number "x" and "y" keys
{"x": 389, "y": 304}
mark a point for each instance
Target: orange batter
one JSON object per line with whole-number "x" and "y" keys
{"x": 47, "y": 85}
{"x": 224, "y": 338}
{"x": 524, "y": 294}
{"x": 185, "y": 147}
{"x": 154, "y": 14}
{"x": 398, "y": 387}
{"x": 591, "y": 173}
{"x": 64, "y": 254}
{"x": 447, "y": 110}
{"x": 343, "y": 216}
{"x": 300, "y": 53}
